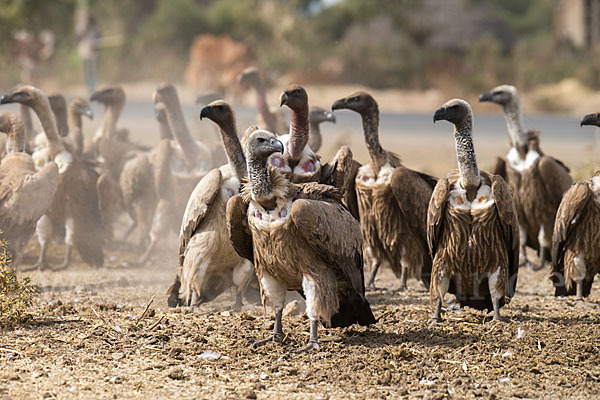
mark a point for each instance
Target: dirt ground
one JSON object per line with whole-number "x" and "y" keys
{"x": 108, "y": 334}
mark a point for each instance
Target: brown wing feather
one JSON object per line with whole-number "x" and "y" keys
{"x": 334, "y": 234}
{"x": 237, "y": 225}
{"x": 435, "y": 212}
{"x": 498, "y": 167}
{"x": 505, "y": 206}
{"x": 573, "y": 203}
{"x": 341, "y": 172}
{"x": 555, "y": 177}
{"x": 412, "y": 193}
{"x": 197, "y": 207}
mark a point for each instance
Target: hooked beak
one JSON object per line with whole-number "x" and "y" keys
{"x": 283, "y": 99}
{"x": 9, "y": 98}
{"x": 339, "y": 104}
{"x": 487, "y": 96}
{"x": 205, "y": 112}
{"x": 439, "y": 114}
{"x": 276, "y": 145}
{"x": 590, "y": 119}
{"x": 88, "y": 113}
{"x": 330, "y": 117}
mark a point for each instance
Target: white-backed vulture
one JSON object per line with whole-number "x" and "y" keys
{"x": 392, "y": 202}
{"x": 300, "y": 237}
{"x": 537, "y": 181}
{"x": 74, "y": 212}
{"x": 575, "y": 249}
{"x": 272, "y": 119}
{"x": 317, "y": 116}
{"x": 472, "y": 227}
{"x": 208, "y": 264}
{"x": 25, "y": 194}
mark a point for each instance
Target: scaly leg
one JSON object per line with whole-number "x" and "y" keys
{"x": 310, "y": 291}
{"x": 542, "y": 263}
{"x": 371, "y": 283}
{"x": 277, "y": 335}
{"x": 403, "y": 278}
{"x": 496, "y": 304}
{"x": 313, "y": 342}
{"x": 579, "y": 290}
{"x": 437, "y": 314}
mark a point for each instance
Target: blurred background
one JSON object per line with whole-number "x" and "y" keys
{"x": 413, "y": 55}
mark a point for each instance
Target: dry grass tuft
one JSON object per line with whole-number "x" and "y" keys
{"x": 15, "y": 294}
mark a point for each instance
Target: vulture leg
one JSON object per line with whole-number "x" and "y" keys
{"x": 437, "y": 314}
{"x": 496, "y": 304}
{"x": 371, "y": 283}
{"x": 309, "y": 288}
{"x": 579, "y": 290}
{"x": 543, "y": 252}
{"x": 523, "y": 261}
{"x": 277, "y": 335}
{"x": 173, "y": 299}
{"x": 242, "y": 275}
{"x": 403, "y": 277}
{"x": 44, "y": 232}
{"x": 69, "y": 243}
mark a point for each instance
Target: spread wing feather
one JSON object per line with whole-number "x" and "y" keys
{"x": 198, "y": 207}
{"x": 237, "y": 225}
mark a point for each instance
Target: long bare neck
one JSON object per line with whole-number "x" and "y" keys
{"x": 109, "y": 126}
{"x": 164, "y": 130}
{"x": 76, "y": 131}
{"x": 465, "y": 154}
{"x": 25, "y": 113}
{"x": 260, "y": 181}
{"x": 16, "y": 137}
{"x": 263, "y": 108}
{"x": 514, "y": 120}
{"x": 233, "y": 148}
{"x": 299, "y": 128}
{"x": 315, "y": 141}
{"x": 181, "y": 132}
{"x": 46, "y": 117}
{"x": 370, "y": 120}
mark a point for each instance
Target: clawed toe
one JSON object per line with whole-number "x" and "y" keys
{"x": 435, "y": 321}
{"x": 270, "y": 338}
{"x": 310, "y": 346}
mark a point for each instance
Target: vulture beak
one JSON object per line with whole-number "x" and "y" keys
{"x": 330, "y": 117}
{"x": 205, "y": 112}
{"x": 487, "y": 96}
{"x": 276, "y": 145}
{"x": 283, "y": 99}
{"x": 88, "y": 113}
{"x": 5, "y": 99}
{"x": 155, "y": 97}
{"x": 339, "y": 104}
{"x": 590, "y": 119}
{"x": 439, "y": 114}
{"x": 11, "y": 98}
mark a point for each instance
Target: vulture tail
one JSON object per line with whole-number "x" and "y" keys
{"x": 354, "y": 308}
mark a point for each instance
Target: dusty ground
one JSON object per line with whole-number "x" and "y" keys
{"x": 92, "y": 337}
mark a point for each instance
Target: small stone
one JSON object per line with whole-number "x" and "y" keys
{"x": 248, "y": 394}
{"x": 176, "y": 374}
{"x": 294, "y": 307}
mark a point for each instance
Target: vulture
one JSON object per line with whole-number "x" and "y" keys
{"x": 25, "y": 194}
{"x": 78, "y": 107}
{"x": 208, "y": 264}
{"x": 74, "y": 212}
{"x": 272, "y": 119}
{"x": 58, "y": 104}
{"x": 392, "y": 202}
{"x": 300, "y": 237}
{"x": 472, "y": 227}
{"x": 301, "y": 164}
{"x": 317, "y": 116}
{"x": 537, "y": 181}
{"x": 575, "y": 250}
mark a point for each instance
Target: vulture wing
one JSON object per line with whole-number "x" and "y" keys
{"x": 333, "y": 233}
{"x": 498, "y": 167}
{"x": 505, "y": 206}
{"x": 435, "y": 213}
{"x": 341, "y": 172}
{"x": 412, "y": 194}
{"x": 237, "y": 225}
{"x": 198, "y": 207}
{"x": 573, "y": 203}
{"x": 555, "y": 177}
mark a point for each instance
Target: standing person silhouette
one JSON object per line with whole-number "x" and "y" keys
{"x": 88, "y": 37}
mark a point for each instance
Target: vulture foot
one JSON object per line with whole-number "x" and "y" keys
{"x": 371, "y": 283}
{"x": 310, "y": 346}
{"x": 40, "y": 265}
{"x": 435, "y": 320}
{"x": 276, "y": 337}
{"x": 437, "y": 315}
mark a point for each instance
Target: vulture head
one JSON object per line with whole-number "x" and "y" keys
{"x": 261, "y": 144}
{"x": 455, "y": 111}
{"x": 591, "y": 119}
{"x": 27, "y": 95}
{"x": 318, "y": 115}
{"x": 360, "y": 102}
{"x": 218, "y": 111}
{"x": 112, "y": 95}
{"x": 12, "y": 126}
{"x": 80, "y": 106}
{"x": 249, "y": 77}
{"x": 294, "y": 96}
{"x": 166, "y": 93}
{"x": 502, "y": 95}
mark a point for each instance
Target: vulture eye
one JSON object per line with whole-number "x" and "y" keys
{"x": 355, "y": 98}
{"x": 219, "y": 107}
{"x": 261, "y": 140}
{"x": 454, "y": 107}
{"x": 296, "y": 92}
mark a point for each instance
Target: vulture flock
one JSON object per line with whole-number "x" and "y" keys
{"x": 275, "y": 217}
